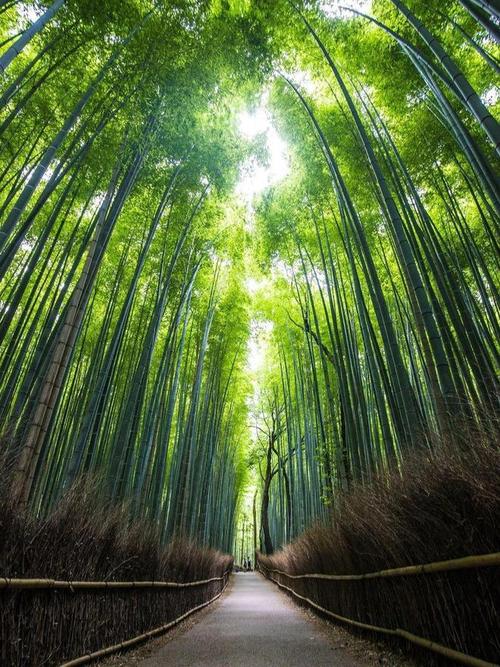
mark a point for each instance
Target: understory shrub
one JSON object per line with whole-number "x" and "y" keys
{"x": 436, "y": 507}
{"x": 83, "y": 539}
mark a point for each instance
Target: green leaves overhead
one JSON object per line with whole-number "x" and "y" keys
{"x": 126, "y": 250}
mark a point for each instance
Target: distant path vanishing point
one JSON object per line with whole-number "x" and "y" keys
{"x": 254, "y": 625}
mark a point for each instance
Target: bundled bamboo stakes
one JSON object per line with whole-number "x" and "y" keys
{"x": 84, "y": 659}
{"x": 396, "y": 632}
{"x": 465, "y": 563}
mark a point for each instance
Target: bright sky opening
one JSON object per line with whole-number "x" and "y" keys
{"x": 339, "y": 8}
{"x": 255, "y": 177}
{"x": 258, "y": 343}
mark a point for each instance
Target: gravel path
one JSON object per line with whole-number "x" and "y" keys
{"x": 254, "y": 625}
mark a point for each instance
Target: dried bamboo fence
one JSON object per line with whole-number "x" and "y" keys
{"x": 80, "y": 617}
{"x": 391, "y": 600}
{"x": 30, "y": 584}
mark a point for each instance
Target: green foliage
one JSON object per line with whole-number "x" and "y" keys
{"x": 125, "y": 255}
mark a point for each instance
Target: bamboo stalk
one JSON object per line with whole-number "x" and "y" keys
{"x": 84, "y": 659}
{"x": 458, "y": 656}
{"x": 465, "y": 563}
{"x": 6, "y": 583}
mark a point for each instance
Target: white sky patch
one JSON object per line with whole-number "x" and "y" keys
{"x": 97, "y": 201}
{"x": 27, "y": 245}
{"x": 30, "y": 11}
{"x": 253, "y": 285}
{"x": 255, "y": 177}
{"x": 49, "y": 172}
{"x": 257, "y": 351}
{"x": 304, "y": 81}
{"x": 332, "y": 8}
{"x": 491, "y": 96}
{"x": 28, "y": 14}
{"x": 258, "y": 344}
{"x": 281, "y": 267}
{"x": 258, "y": 347}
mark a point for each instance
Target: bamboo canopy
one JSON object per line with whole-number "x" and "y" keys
{"x": 249, "y": 279}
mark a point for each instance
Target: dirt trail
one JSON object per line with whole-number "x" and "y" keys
{"x": 254, "y": 625}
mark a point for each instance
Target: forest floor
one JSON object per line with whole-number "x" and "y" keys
{"x": 254, "y": 624}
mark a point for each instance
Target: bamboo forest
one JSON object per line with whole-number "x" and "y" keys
{"x": 249, "y": 329}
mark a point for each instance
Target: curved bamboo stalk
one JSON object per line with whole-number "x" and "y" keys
{"x": 470, "y": 96}
{"x": 483, "y": 12}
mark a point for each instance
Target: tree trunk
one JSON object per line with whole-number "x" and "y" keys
{"x": 254, "y": 511}
{"x": 52, "y": 384}
{"x": 266, "y": 534}
{"x": 28, "y": 35}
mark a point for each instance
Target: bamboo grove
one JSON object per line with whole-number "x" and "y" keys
{"x": 388, "y": 345}
{"x": 124, "y": 251}
{"x": 117, "y": 357}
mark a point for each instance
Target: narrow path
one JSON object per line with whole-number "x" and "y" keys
{"x": 254, "y": 625}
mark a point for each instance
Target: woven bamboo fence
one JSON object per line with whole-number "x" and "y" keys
{"x": 312, "y": 594}
{"x": 92, "y": 619}
{"x": 151, "y": 633}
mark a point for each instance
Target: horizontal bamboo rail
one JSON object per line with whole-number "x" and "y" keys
{"x": 466, "y": 563}
{"x": 89, "y": 657}
{"x": 6, "y": 583}
{"x": 462, "y": 658}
